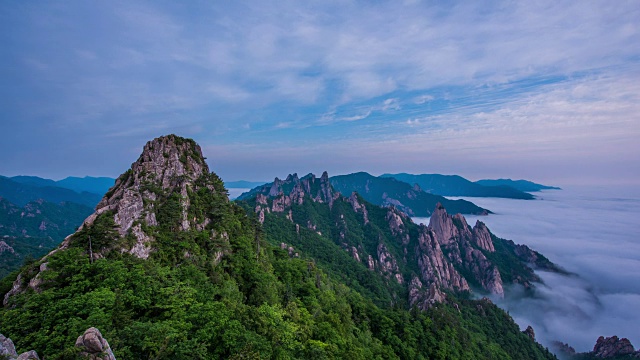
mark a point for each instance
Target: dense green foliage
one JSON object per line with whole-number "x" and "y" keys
{"x": 229, "y": 291}
{"x": 454, "y": 185}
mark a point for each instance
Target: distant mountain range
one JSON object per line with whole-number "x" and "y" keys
{"x": 36, "y": 214}
{"x": 411, "y": 200}
{"x": 454, "y": 185}
{"x": 21, "y": 193}
{"x": 95, "y": 185}
{"x": 34, "y": 229}
{"x": 522, "y": 185}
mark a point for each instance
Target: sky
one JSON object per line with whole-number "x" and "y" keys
{"x": 542, "y": 90}
{"x": 592, "y": 232}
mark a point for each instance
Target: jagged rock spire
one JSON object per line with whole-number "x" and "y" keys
{"x": 167, "y": 164}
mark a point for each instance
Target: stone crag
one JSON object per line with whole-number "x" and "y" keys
{"x": 168, "y": 166}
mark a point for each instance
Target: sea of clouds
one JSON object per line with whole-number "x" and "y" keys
{"x": 593, "y": 232}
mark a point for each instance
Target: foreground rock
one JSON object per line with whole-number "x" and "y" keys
{"x": 93, "y": 346}
{"x": 8, "y": 351}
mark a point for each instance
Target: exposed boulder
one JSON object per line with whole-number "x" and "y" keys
{"x": 8, "y": 351}
{"x": 29, "y": 355}
{"x": 93, "y": 346}
{"x": 611, "y": 347}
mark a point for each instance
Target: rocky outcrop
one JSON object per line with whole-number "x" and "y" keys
{"x": 483, "y": 270}
{"x": 424, "y": 298}
{"x": 388, "y": 264}
{"x": 612, "y": 346}
{"x": 168, "y": 166}
{"x": 292, "y": 190}
{"x": 8, "y": 351}
{"x": 482, "y": 237}
{"x": 395, "y": 221}
{"x": 530, "y": 333}
{"x": 442, "y": 225}
{"x": 434, "y": 267}
{"x": 358, "y": 208}
{"x": 458, "y": 240}
{"x": 93, "y": 346}
{"x": 4, "y": 247}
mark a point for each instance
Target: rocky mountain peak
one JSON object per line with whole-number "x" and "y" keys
{"x": 168, "y": 164}
{"x": 613, "y": 347}
{"x": 168, "y": 157}
{"x": 442, "y": 224}
{"x": 169, "y": 169}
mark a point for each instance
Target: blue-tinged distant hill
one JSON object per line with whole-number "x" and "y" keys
{"x": 522, "y": 185}
{"x": 454, "y": 185}
{"x": 22, "y": 193}
{"x": 95, "y": 185}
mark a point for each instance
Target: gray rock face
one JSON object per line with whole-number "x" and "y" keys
{"x": 424, "y": 298}
{"x": 29, "y": 355}
{"x": 395, "y": 221}
{"x": 442, "y": 225}
{"x": 294, "y": 188}
{"x": 434, "y": 267}
{"x": 8, "y": 351}
{"x": 167, "y": 164}
{"x": 93, "y": 346}
{"x": 612, "y": 346}
{"x": 4, "y": 247}
{"x": 358, "y": 208}
{"x": 388, "y": 264}
{"x": 482, "y": 237}
{"x": 6, "y": 347}
{"x": 456, "y": 237}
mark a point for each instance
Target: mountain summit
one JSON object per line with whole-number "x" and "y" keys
{"x": 168, "y": 164}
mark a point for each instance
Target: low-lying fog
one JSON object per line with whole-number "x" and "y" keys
{"x": 592, "y": 232}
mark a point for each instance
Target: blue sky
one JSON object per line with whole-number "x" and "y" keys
{"x": 543, "y": 90}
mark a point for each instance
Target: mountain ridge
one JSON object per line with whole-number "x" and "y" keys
{"x": 168, "y": 268}
{"x": 455, "y": 185}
